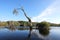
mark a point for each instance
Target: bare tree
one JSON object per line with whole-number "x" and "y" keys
{"x": 16, "y": 12}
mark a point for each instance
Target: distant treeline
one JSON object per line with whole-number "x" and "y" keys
{"x": 24, "y": 23}
{"x": 54, "y": 24}
{"x": 17, "y": 23}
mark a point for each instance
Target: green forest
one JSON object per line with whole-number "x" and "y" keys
{"x": 25, "y": 23}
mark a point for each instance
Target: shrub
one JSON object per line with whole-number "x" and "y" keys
{"x": 43, "y": 28}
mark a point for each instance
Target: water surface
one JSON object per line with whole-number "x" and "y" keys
{"x": 25, "y": 34}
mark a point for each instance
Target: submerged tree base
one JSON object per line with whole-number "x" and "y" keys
{"x": 43, "y": 28}
{"x": 44, "y": 32}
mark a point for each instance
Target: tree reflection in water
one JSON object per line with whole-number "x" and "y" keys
{"x": 12, "y": 28}
{"x": 29, "y": 36}
{"x": 44, "y": 32}
{"x": 43, "y": 28}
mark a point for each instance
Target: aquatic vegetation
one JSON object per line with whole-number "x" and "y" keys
{"x": 43, "y": 28}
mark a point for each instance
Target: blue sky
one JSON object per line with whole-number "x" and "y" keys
{"x": 37, "y": 10}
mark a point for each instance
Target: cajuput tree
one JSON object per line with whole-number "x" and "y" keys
{"x": 15, "y": 11}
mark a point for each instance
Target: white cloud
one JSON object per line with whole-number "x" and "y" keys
{"x": 49, "y": 14}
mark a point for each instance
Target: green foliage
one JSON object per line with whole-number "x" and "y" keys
{"x": 3, "y": 24}
{"x": 25, "y": 23}
{"x": 43, "y": 28}
{"x": 43, "y": 25}
{"x": 53, "y": 24}
{"x": 16, "y": 23}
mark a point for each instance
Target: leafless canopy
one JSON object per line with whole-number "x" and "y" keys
{"x": 16, "y": 12}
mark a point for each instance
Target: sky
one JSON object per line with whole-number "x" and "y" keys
{"x": 37, "y": 10}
